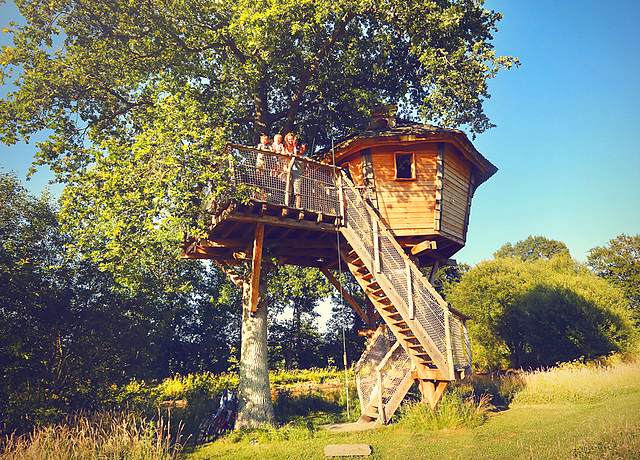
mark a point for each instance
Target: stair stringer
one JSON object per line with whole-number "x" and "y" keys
{"x": 416, "y": 328}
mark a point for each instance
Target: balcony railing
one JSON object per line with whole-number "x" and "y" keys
{"x": 286, "y": 180}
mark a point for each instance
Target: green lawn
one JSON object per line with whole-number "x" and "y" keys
{"x": 607, "y": 428}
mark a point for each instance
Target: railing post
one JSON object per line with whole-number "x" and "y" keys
{"x": 287, "y": 189}
{"x": 412, "y": 312}
{"x": 467, "y": 343}
{"x": 381, "y": 415}
{"x": 449, "y": 345}
{"x": 343, "y": 217}
{"x": 376, "y": 246}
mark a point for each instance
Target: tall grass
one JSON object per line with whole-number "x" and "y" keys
{"x": 104, "y": 435}
{"x": 580, "y": 382}
{"x": 456, "y": 409}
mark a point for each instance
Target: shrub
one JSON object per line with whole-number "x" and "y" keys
{"x": 536, "y": 313}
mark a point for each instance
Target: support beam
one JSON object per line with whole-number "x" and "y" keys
{"x": 256, "y": 266}
{"x": 423, "y": 246}
{"x": 235, "y": 278}
{"x": 350, "y": 300}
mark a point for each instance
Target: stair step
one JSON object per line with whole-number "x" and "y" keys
{"x": 383, "y": 301}
{"x": 374, "y": 283}
{"x": 377, "y": 292}
{"x": 367, "y": 277}
{"x": 362, "y": 269}
{"x": 390, "y": 307}
{"x": 405, "y": 331}
{"x": 358, "y": 262}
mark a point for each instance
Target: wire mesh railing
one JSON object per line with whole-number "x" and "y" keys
{"x": 383, "y": 362}
{"x": 365, "y": 369}
{"x": 285, "y": 180}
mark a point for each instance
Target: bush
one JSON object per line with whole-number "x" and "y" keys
{"x": 536, "y": 313}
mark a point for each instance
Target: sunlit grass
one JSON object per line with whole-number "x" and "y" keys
{"x": 106, "y": 435}
{"x": 579, "y": 382}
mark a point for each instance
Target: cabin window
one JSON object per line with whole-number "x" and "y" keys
{"x": 405, "y": 166}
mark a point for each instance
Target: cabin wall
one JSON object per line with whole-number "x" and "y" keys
{"x": 354, "y": 166}
{"x": 455, "y": 194}
{"x": 407, "y": 206}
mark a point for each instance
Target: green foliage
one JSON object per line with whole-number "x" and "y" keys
{"x": 533, "y": 248}
{"x": 447, "y": 276}
{"x": 456, "y": 409}
{"x": 293, "y": 295}
{"x": 540, "y": 312}
{"x": 138, "y": 100}
{"x": 69, "y": 332}
{"x": 619, "y": 263}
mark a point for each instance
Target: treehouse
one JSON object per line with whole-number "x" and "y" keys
{"x": 420, "y": 179}
{"x": 382, "y": 205}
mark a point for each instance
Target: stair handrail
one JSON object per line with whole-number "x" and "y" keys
{"x": 383, "y": 228}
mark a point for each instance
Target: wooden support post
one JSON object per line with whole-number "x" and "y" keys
{"x": 350, "y": 300}
{"x": 376, "y": 245}
{"x": 434, "y": 269}
{"x": 447, "y": 339}
{"x": 432, "y": 391}
{"x": 256, "y": 266}
{"x": 412, "y": 311}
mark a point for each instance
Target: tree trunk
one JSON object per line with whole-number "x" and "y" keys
{"x": 254, "y": 393}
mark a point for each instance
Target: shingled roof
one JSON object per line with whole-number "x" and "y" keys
{"x": 409, "y": 132}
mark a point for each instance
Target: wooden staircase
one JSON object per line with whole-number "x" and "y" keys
{"x": 421, "y": 340}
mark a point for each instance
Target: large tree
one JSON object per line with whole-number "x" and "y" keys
{"x": 532, "y": 248}
{"x": 619, "y": 263}
{"x": 136, "y": 98}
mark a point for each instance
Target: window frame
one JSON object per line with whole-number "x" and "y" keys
{"x": 414, "y": 174}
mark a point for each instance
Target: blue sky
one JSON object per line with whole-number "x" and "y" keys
{"x": 566, "y": 141}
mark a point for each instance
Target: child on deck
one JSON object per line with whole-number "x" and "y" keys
{"x": 264, "y": 142}
{"x": 277, "y": 146}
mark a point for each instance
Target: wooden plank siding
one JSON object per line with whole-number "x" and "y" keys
{"x": 406, "y": 205}
{"x": 455, "y": 194}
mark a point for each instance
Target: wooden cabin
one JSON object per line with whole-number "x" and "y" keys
{"x": 421, "y": 179}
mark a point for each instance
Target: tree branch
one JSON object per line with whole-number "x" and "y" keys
{"x": 310, "y": 70}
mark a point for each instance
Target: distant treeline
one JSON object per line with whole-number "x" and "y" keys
{"x": 70, "y": 333}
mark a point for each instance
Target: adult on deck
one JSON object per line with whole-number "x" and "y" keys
{"x": 296, "y": 167}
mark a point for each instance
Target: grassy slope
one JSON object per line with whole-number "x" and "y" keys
{"x": 609, "y": 428}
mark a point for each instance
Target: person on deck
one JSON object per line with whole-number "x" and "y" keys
{"x": 264, "y": 143}
{"x": 277, "y": 146}
{"x": 297, "y": 167}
